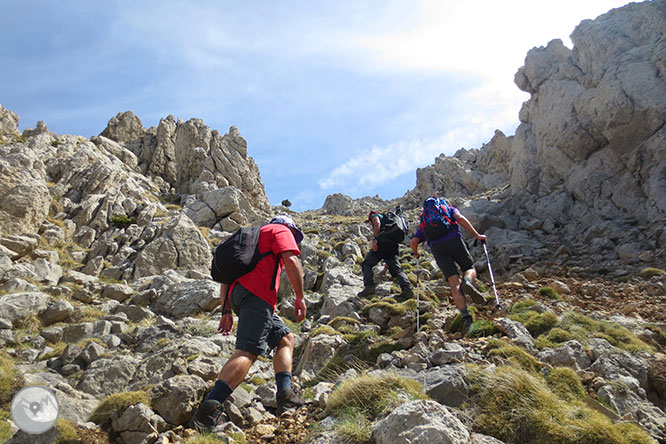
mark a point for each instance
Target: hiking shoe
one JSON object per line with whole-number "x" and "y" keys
{"x": 367, "y": 291}
{"x": 209, "y": 415}
{"x": 470, "y": 290}
{"x": 286, "y": 399}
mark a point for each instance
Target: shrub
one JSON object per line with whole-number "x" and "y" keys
{"x": 118, "y": 402}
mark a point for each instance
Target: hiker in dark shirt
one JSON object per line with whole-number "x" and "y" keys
{"x": 253, "y": 299}
{"x": 386, "y": 249}
{"x": 449, "y": 250}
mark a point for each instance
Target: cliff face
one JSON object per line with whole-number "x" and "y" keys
{"x": 588, "y": 159}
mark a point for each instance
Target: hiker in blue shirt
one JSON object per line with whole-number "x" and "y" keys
{"x": 440, "y": 225}
{"x": 386, "y": 249}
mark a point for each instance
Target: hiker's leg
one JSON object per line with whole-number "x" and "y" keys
{"x": 458, "y": 297}
{"x": 396, "y": 271}
{"x": 236, "y": 368}
{"x": 370, "y": 261}
{"x": 282, "y": 362}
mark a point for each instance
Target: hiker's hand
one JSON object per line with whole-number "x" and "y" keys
{"x": 416, "y": 254}
{"x": 226, "y": 324}
{"x": 300, "y": 309}
{"x": 375, "y": 245}
{"x": 482, "y": 238}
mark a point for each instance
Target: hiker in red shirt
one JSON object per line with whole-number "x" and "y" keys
{"x": 253, "y": 297}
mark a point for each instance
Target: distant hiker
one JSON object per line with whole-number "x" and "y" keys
{"x": 253, "y": 297}
{"x": 388, "y": 229}
{"x": 440, "y": 226}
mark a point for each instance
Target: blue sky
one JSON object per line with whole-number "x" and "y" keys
{"x": 332, "y": 96}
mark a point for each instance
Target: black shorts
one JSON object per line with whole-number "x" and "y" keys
{"x": 450, "y": 252}
{"x": 259, "y": 328}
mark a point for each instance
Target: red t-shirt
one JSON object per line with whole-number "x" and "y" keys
{"x": 276, "y": 238}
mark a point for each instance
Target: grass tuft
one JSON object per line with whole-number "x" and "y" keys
{"x": 518, "y": 407}
{"x": 648, "y": 272}
{"x": 359, "y": 401}
{"x": 118, "y": 402}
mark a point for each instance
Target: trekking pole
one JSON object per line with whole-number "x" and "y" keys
{"x": 492, "y": 278}
{"x": 418, "y": 300}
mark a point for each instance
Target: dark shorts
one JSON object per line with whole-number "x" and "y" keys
{"x": 450, "y": 252}
{"x": 259, "y": 328}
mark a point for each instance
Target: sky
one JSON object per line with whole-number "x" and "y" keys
{"x": 342, "y": 96}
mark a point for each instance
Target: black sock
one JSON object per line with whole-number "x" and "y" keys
{"x": 221, "y": 391}
{"x": 464, "y": 312}
{"x": 283, "y": 381}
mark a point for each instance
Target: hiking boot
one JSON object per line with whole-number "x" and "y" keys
{"x": 367, "y": 291}
{"x": 286, "y": 399}
{"x": 467, "y": 323}
{"x": 470, "y": 290}
{"x": 209, "y": 415}
{"x": 406, "y": 294}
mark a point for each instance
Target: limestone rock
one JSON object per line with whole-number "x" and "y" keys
{"x": 176, "y": 399}
{"x": 421, "y": 421}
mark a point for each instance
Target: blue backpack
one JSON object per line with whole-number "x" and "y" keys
{"x": 437, "y": 218}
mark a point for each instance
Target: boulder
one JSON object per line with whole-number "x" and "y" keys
{"x": 177, "y": 398}
{"x": 420, "y": 421}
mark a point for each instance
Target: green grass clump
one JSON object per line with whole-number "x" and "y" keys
{"x": 565, "y": 383}
{"x": 11, "y": 380}
{"x": 583, "y": 328}
{"x": 541, "y": 323}
{"x": 324, "y": 330}
{"x": 118, "y": 402}
{"x": 481, "y": 327}
{"x": 550, "y": 293}
{"x": 514, "y": 354}
{"x": 122, "y": 221}
{"x": 344, "y": 324}
{"x": 648, "y": 272}
{"x": 5, "y": 428}
{"x": 553, "y": 338}
{"x": 359, "y": 401}
{"x": 66, "y": 432}
{"x": 518, "y": 407}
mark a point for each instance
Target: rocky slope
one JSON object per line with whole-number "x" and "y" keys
{"x": 105, "y": 298}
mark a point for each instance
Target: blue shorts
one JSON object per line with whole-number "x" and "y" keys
{"x": 259, "y": 328}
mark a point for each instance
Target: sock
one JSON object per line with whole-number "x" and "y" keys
{"x": 221, "y": 391}
{"x": 283, "y": 381}
{"x": 464, "y": 312}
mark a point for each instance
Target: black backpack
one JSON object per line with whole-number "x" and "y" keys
{"x": 238, "y": 255}
{"x": 394, "y": 226}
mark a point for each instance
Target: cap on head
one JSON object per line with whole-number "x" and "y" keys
{"x": 289, "y": 222}
{"x": 372, "y": 213}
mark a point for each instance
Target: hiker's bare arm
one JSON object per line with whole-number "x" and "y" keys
{"x": 295, "y": 272}
{"x": 467, "y": 225}
{"x": 415, "y": 246}
{"x": 227, "y": 319}
{"x": 376, "y": 225}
